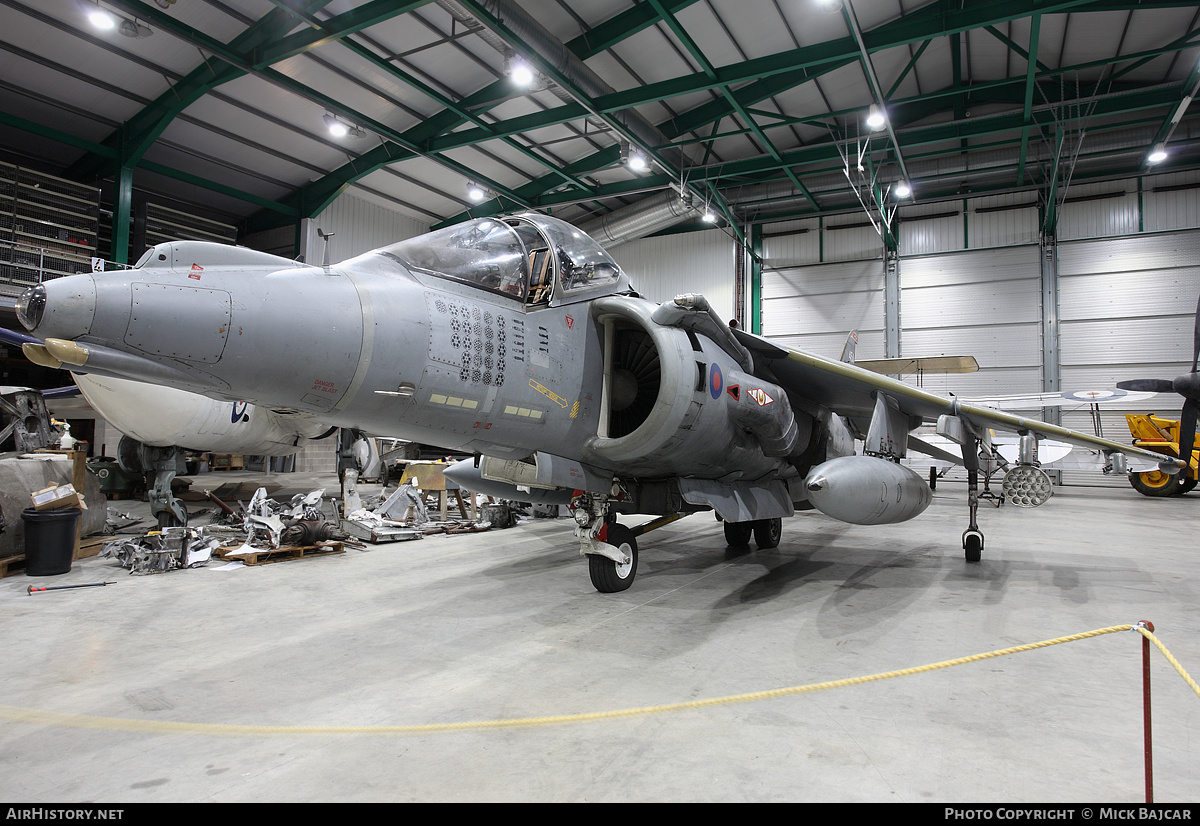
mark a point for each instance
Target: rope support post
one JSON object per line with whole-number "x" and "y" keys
{"x": 1147, "y": 732}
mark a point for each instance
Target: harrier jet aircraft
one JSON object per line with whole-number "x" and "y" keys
{"x": 521, "y": 340}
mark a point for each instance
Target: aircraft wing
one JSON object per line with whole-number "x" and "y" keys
{"x": 919, "y": 365}
{"x": 851, "y": 392}
{"x": 1065, "y": 398}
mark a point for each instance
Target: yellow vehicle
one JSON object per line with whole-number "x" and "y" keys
{"x": 1162, "y": 435}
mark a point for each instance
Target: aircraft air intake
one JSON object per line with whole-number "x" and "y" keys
{"x": 676, "y": 402}
{"x": 636, "y": 376}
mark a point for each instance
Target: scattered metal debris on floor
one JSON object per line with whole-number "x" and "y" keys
{"x": 265, "y": 530}
{"x": 163, "y": 550}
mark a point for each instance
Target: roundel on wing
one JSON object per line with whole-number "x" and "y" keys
{"x": 716, "y": 381}
{"x": 239, "y": 410}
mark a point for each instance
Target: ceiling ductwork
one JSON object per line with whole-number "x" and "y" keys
{"x": 646, "y": 217}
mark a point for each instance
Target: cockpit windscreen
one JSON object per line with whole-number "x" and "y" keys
{"x": 485, "y": 253}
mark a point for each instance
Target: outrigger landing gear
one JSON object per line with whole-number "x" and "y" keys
{"x": 972, "y": 538}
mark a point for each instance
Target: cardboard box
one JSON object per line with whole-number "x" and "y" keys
{"x": 55, "y": 497}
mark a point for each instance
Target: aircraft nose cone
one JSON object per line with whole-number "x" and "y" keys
{"x": 62, "y": 308}
{"x": 30, "y": 307}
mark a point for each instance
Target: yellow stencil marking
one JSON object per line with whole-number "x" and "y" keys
{"x": 548, "y": 393}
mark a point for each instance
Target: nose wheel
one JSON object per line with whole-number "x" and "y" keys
{"x": 609, "y": 575}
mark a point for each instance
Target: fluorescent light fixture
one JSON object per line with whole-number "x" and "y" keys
{"x": 1158, "y": 154}
{"x": 875, "y": 118}
{"x": 475, "y": 192}
{"x": 903, "y": 190}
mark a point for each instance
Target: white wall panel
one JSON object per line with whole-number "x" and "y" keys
{"x": 975, "y": 267}
{"x": 792, "y": 244}
{"x": 1129, "y": 303}
{"x": 1002, "y": 228}
{"x": 927, "y": 228}
{"x": 813, "y": 308}
{"x": 1127, "y": 308}
{"x": 846, "y": 242}
{"x": 922, "y": 236}
{"x": 981, "y": 303}
{"x": 1167, "y": 207}
{"x": 1099, "y": 211}
{"x": 690, "y": 262}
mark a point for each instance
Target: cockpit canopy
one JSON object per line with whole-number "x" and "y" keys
{"x": 532, "y": 258}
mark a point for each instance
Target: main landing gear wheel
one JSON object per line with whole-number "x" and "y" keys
{"x": 608, "y": 576}
{"x": 767, "y": 533}
{"x": 737, "y": 534}
{"x": 1157, "y": 483}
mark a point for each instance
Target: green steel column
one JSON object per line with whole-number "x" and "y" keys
{"x": 756, "y": 279}
{"x": 122, "y": 212}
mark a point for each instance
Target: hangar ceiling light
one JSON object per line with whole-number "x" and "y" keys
{"x": 101, "y": 18}
{"x": 875, "y": 118}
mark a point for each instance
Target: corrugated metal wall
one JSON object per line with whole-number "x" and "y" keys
{"x": 693, "y": 262}
{"x": 1171, "y": 201}
{"x": 813, "y": 308}
{"x": 1127, "y": 309}
{"x": 981, "y": 303}
{"x": 931, "y": 228}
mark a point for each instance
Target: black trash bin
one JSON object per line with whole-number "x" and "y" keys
{"x": 49, "y": 540}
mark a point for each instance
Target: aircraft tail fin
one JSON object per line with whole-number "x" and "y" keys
{"x": 848, "y": 349}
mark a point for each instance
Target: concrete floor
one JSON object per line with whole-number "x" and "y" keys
{"x": 108, "y": 691}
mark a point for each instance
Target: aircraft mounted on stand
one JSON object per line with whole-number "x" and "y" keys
{"x": 521, "y": 341}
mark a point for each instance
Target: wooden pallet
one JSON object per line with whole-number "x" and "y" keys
{"x": 12, "y": 565}
{"x": 265, "y": 556}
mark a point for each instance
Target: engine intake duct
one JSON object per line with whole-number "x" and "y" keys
{"x": 635, "y": 379}
{"x": 763, "y": 409}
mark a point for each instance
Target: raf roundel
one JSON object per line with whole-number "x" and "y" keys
{"x": 716, "y": 381}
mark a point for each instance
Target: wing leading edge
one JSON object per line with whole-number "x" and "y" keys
{"x": 851, "y": 391}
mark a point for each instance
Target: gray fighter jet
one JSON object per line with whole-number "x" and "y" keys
{"x": 520, "y": 340}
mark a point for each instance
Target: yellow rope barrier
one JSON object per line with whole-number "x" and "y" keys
{"x": 1187, "y": 678}
{"x": 158, "y": 727}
